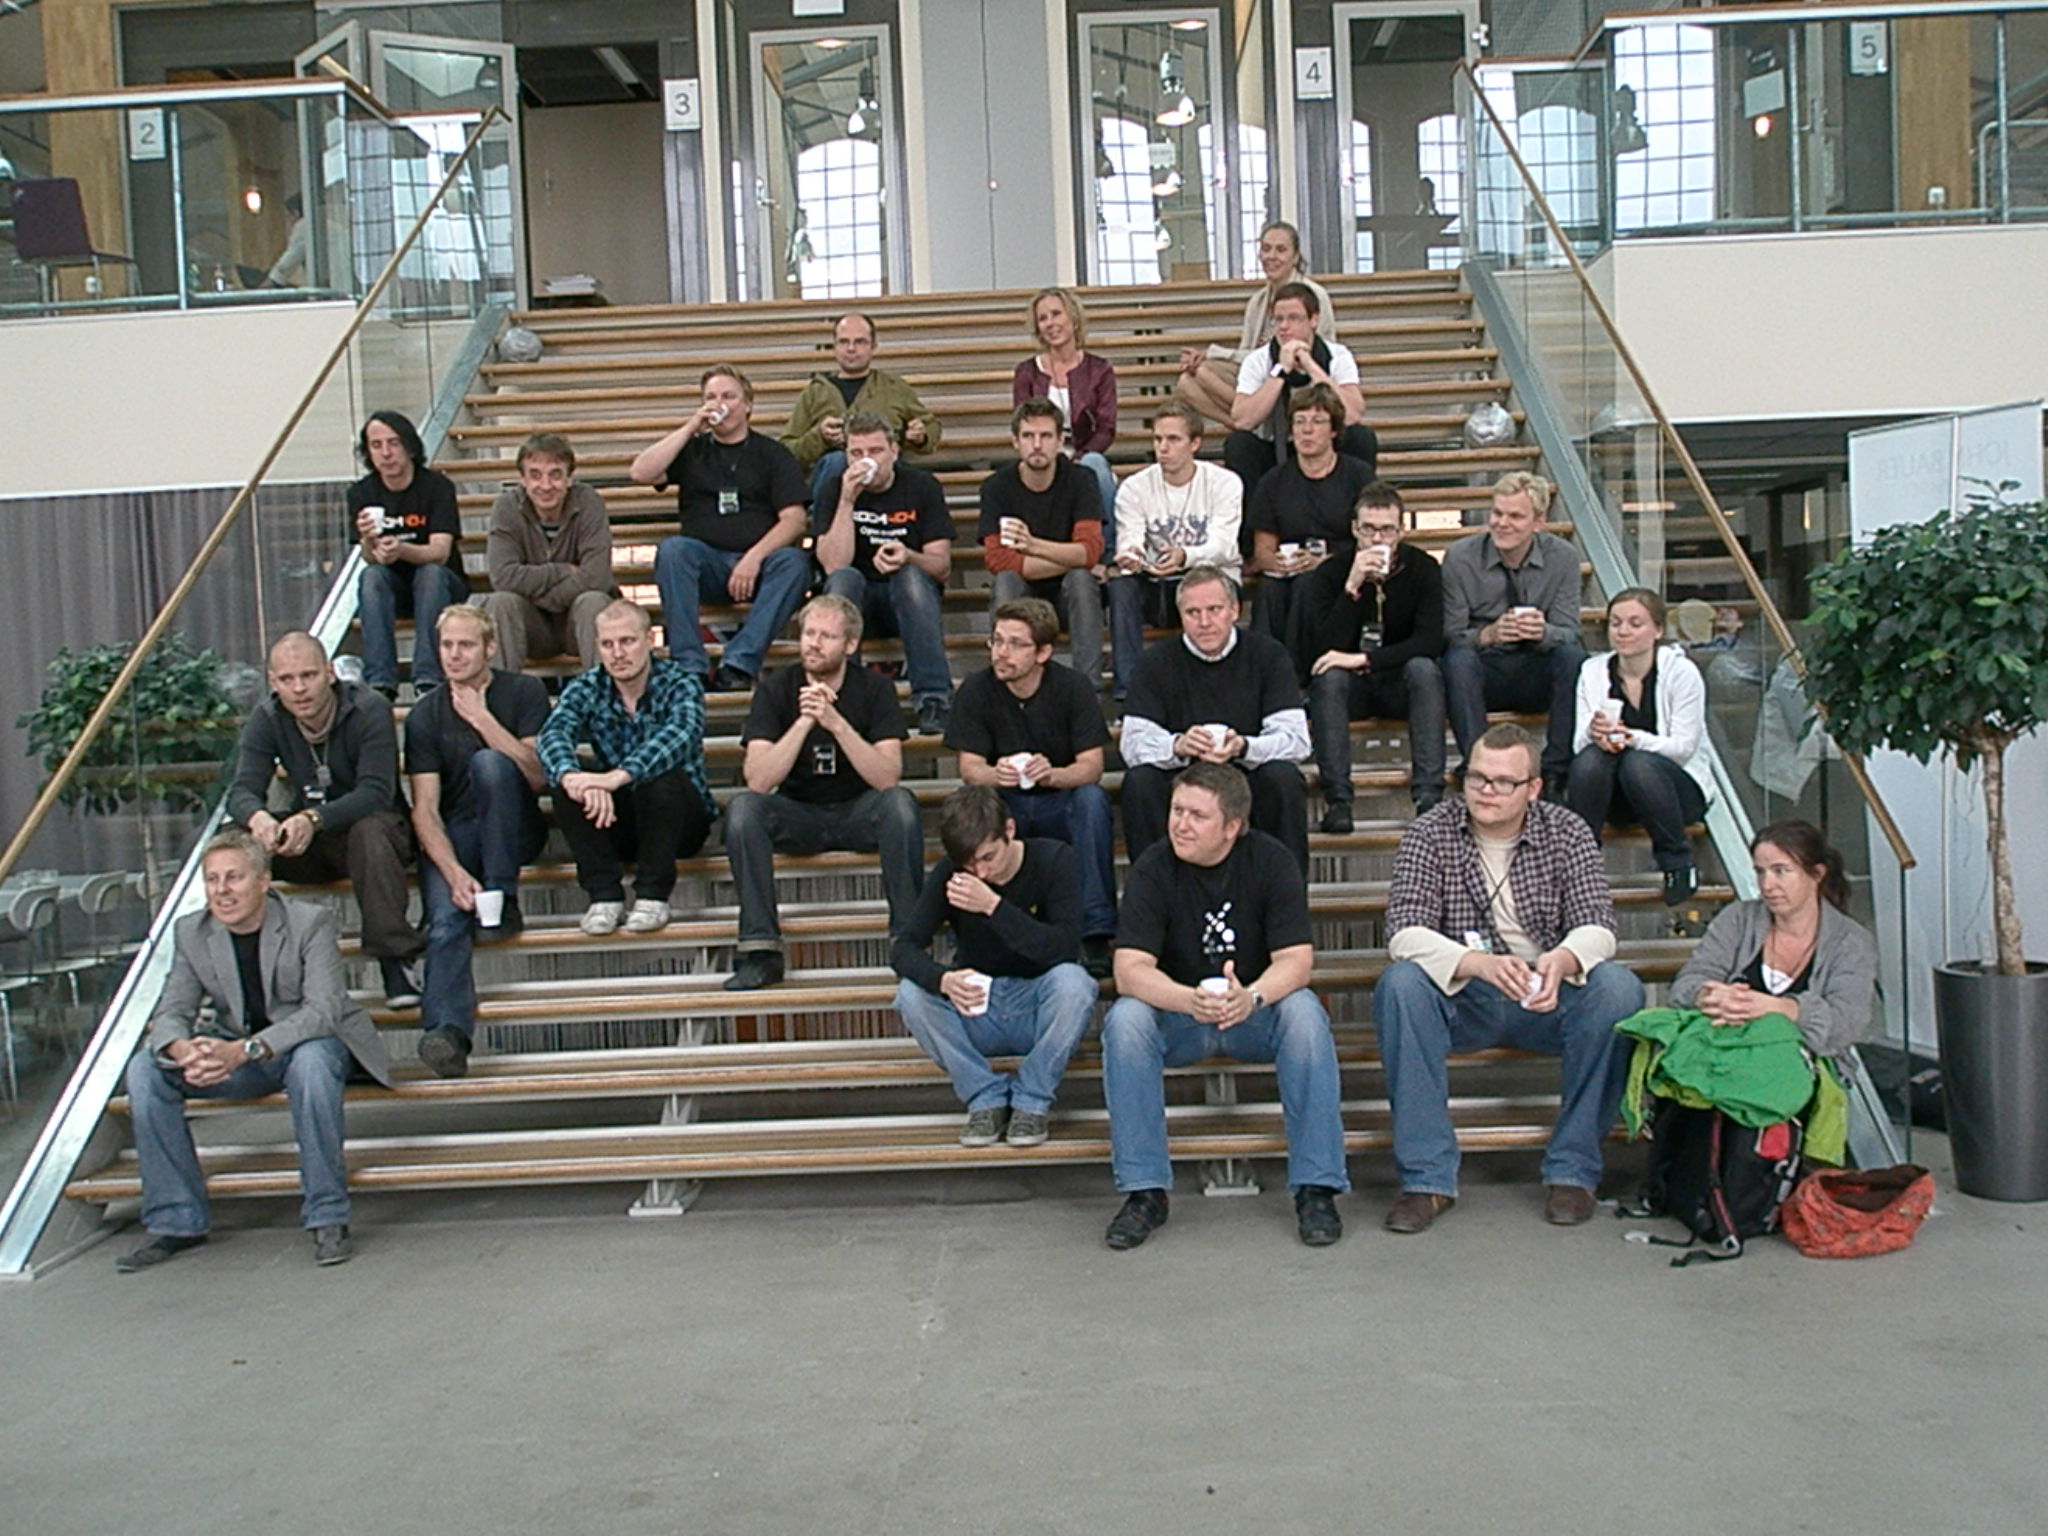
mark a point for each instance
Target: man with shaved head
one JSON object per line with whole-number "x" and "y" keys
{"x": 316, "y": 783}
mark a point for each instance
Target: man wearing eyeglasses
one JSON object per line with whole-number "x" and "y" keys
{"x": 1032, "y": 730}
{"x": 1501, "y": 933}
{"x": 1367, "y": 634}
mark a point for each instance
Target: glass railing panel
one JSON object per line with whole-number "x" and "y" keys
{"x": 2023, "y": 137}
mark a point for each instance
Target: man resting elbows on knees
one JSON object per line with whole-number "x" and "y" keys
{"x": 255, "y": 1004}
{"x": 1213, "y": 958}
{"x": 1014, "y": 987}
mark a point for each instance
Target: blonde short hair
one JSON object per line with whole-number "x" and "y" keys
{"x": 1519, "y": 482}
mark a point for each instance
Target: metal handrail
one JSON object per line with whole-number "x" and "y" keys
{"x": 1772, "y": 617}
{"x": 182, "y": 95}
{"x": 61, "y": 779}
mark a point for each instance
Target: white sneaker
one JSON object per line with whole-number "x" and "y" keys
{"x": 648, "y": 917}
{"x": 602, "y": 918}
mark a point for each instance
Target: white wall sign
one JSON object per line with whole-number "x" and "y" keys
{"x": 682, "y": 105}
{"x": 818, "y": 8}
{"x": 1314, "y": 74}
{"x": 146, "y": 133}
{"x": 1905, "y": 474}
{"x": 1870, "y": 47}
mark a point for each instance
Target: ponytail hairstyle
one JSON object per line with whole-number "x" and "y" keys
{"x": 1803, "y": 840}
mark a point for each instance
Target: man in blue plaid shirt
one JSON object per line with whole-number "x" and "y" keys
{"x": 646, "y": 797}
{"x": 1501, "y": 933}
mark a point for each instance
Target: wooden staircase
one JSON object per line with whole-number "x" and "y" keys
{"x": 622, "y": 1060}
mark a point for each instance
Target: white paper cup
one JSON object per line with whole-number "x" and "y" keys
{"x": 1020, "y": 761}
{"x": 977, "y": 979}
{"x": 1215, "y": 986}
{"x": 1526, "y": 610}
{"x": 490, "y": 908}
{"x": 1289, "y": 551}
{"x": 1217, "y": 734}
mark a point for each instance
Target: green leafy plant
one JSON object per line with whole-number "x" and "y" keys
{"x": 174, "y": 716}
{"x": 1933, "y": 637}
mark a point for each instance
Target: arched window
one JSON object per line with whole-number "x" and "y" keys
{"x": 1440, "y": 157}
{"x": 1670, "y": 180}
{"x": 1254, "y": 169}
{"x": 1127, "y": 225}
{"x": 1361, "y": 193}
{"x": 836, "y": 248}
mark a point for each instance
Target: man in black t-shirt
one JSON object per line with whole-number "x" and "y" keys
{"x": 1299, "y": 515}
{"x": 1213, "y": 957}
{"x": 885, "y": 543}
{"x": 741, "y": 499}
{"x": 1041, "y": 531}
{"x": 824, "y": 745}
{"x": 475, "y": 774}
{"x": 1367, "y": 632}
{"x": 1215, "y": 694}
{"x": 404, "y": 517}
{"x": 1032, "y": 730}
{"x": 1013, "y": 987}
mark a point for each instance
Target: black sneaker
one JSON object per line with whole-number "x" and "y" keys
{"x": 401, "y": 986}
{"x": 1098, "y": 956}
{"x": 731, "y": 680}
{"x": 1425, "y": 803}
{"x": 511, "y": 923}
{"x": 931, "y": 717}
{"x": 332, "y": 1245}
{"x": 1337, "y": 817}
{"x": 445, "y": 1052}
{"x": 1143, "y": 1213}
{"x": 756, "y": 968}
{"x": 158, "y": 1250}
{"x": 1315, "y": 1215}
{"x": 1680, "y": 883}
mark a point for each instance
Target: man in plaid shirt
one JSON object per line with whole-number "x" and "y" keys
{"x": 646, "y": 798}
{"x": 1501, "y": 933}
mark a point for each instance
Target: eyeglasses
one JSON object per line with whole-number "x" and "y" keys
{"x": 1379, "y": 533}
{"x": 1487, "y": 786}
{"x": 1005, "y": 643}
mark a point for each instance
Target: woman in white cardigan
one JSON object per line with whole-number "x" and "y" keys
{"x": 1642, "y": 711}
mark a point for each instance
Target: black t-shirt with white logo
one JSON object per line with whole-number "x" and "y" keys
{"x": 424, "y": 508}
{"x": 822, "y": 775}
{"x": 1192, "y": 919}
{"x": 728, "y": 494}
{"x": 911, "y": 511}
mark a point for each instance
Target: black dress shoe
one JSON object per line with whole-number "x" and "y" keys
{"x": 1315, "y": 1215}
{"x": 756, "y": 968}
{"x": 1425, "y": 803}
{"x": 1098, "y": 956}
{"x": 158, "y": 1250}
{"x": 1337, "y": 817}
{"x": 731, "y": 680}
{"x": 511, "y": 923}
{"x": 1679, "y": 884}
{"x": 1143, "y": 1213}
{"x": 445, "y": 1052}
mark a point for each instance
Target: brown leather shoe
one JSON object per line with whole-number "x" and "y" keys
{"x": 1413, "y": 1211}
{"x": 1567, "y": 1205}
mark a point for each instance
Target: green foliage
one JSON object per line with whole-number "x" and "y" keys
{"x": 1935, "y": 635}
{"x": 174, "y": 713}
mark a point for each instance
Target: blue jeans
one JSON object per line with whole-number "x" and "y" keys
{"x": 1105, "y": 482}
{"x": 1419, "y": 1026}
{"x": 1080, "y": 818}
{"x": 312, "y": 1074}
{"x": 905, "y": 603}
{"x": 690, "y": 572}
{"x": 386, "y": 591}
{"x": 1041, "y": 1018}
{"x": 1139, "y": 1042}
{"x": 1134, "y": 601}
{"x": 1513, "y": 677}
{"x": 499, "y": 828}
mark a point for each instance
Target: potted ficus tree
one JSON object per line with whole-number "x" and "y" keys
{"x": 1932, "y": 638}
{"x": 162, "y": 750}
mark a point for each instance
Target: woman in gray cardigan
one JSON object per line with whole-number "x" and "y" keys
{"x": 1794, "y": 952}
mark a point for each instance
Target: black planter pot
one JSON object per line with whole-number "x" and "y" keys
{"x": 1994, "y": 1073}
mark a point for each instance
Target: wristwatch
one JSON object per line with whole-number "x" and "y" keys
{"x": 312, "y": 814}
{"x": 257, "y": 1050}
{"x": 1258, "y": 999}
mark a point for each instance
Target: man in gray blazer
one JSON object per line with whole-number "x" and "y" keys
{"x": 254, "y": 1004}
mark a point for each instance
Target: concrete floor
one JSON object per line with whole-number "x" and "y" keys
{"x": 963, "y": 1354}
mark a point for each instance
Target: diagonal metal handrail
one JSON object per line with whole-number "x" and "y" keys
{"x": 139, "y": 655}
{"x": 1781, "y": 630}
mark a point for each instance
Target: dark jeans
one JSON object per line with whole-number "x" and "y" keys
{"x": 659, "y": 820}
{"x": 758, "y": 826}
{"x": 1609, "y": 786}
{"x": 497, "y": 828}
{"x": 1511, "y": 677}
{"x": 1415, "y": 694}
{"x": 1079, "y": 817}
{"x": 905, "y": 603}
{"x": 689, "y": 572}
{"x": 1279, "y": 806}
{"x": 1134, "y": 602}
{"x": 383, "y": 594}
{"x": 372, "y": 852}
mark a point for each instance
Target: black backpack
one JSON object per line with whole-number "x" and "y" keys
{"x": 1722, "y": 1179}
